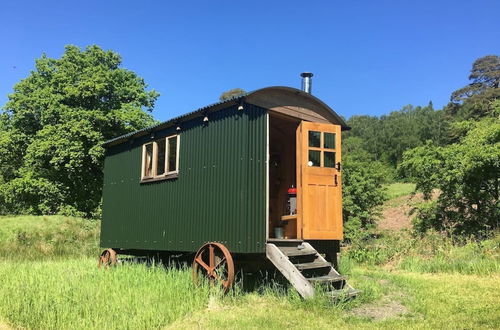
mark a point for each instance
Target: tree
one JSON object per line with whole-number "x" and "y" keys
{"x": 363, "y": 195}
{"x": 475, "y": 100}
{"x": 388, "y": 136}
{"x": 53, "y": 126}
{"x": 235, "y": 92}
{"x": 466, "y": 174}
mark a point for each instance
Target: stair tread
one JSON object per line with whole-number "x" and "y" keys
{"x": 293, "y": 252}
{"x": 343, "y": 293}
{"x": 284, "y": 240}
{"x": 327, "y": 278}
{"x": 312, "y": 265}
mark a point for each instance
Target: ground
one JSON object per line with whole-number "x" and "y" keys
{"x": 45, "y": 282}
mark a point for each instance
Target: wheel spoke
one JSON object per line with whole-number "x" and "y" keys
{"x": 220, "y": 262}
{"x": 203, "y": 264}
{"x": 211, "y": 256}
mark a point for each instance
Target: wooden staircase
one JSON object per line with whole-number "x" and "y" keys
{"x": 305, "y": 268}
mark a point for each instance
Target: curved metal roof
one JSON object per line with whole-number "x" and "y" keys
{"x": 253, "y": 96}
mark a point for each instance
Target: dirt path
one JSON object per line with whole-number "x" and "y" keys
{"x": 396, "y": 212}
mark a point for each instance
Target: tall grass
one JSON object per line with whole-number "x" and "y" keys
{"x": 432, "y": 253}
{"x": 75, "y": 294}
{"x": 48, "y": 237}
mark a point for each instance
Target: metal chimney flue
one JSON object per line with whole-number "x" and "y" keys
{"x": 306, "y": 81}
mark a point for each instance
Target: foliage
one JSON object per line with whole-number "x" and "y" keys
{"x": 387, "y": 137}
{"x": 363, "y": 195}
{"x": 235, "y": 92}
{"x": 474, "y": 101}
{"x": 467, "y": 176}
{"x": 53, "y": 126}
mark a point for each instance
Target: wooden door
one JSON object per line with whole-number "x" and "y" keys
{"x": 319, "y": 181}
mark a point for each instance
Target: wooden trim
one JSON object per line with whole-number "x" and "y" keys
{"x": 268, "y": 160}
{"x": 154, "y": 168}
{"x": 298, "y": 171}
{"x": 167, "y": 151}
{"x": 143, "y": 163}
{"x": 161, "y": 178}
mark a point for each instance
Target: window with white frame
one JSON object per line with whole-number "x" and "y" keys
{"x": 160, "y": 158}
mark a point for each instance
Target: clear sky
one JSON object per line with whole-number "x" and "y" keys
{"x": 368, "y": 57}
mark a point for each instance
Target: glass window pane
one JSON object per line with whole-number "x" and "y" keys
{"x": 172, "y": 154}
{"x": 314, "y": 138}
{"x": 329, "y": 159}
{"x": 329, "y": 140}
{"x": 148, "y": 161}
{"x": 160, "y": 160}
{"x": 314, "y": 157}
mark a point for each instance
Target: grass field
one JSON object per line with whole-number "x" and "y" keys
{"x": 398, "y": 189}
{"x": 49, "y": 289}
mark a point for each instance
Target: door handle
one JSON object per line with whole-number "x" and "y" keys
{"x": 335, "y": 180}
{"x": 338, "y": 166}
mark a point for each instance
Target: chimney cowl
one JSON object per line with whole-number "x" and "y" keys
{"x": 306, "y": 81}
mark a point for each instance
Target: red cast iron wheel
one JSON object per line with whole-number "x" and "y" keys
{"x": 214, "y": 262}
{"x": 108, "y": 258}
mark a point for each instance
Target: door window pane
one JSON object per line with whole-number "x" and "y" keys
{"x": 329, "y": 159}
{"x": 148, "y": 161}
{"x": 314, "y": 157}
{"x": 160, "y": 160}
{"x": 172, "y": 154}
{"x": 329, "y": 140}
{"x": 314, "y": 139}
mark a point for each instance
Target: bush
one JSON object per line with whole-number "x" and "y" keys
{"x": 466, "y": 175}
{"x": 363, "y": 195}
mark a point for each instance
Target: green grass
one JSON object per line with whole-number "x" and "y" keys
{"x": 74, "y": 294}
{"x": 49, "y": 279}
{"x": 433, "y": 253}
{"x": 398, "y": 189}
{"x": 42, "y": 237}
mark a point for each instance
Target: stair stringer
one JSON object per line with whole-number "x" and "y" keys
{"x": 332, "y": 270}
{"x": 288, "y": 269}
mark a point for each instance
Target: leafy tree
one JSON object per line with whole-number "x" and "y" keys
{"x": 388, "y": 136}
{"x": 235, "y": 92}
{"x": 475, "y": 100}
{"x": 467, "y": 176}
{"x": 53, "y": 126}
{"x": 363, "y": 195}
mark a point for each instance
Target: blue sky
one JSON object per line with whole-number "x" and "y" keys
{"x": 368, "y": 57}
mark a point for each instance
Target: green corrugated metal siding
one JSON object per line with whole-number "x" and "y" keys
{"x": 220, "y": 194}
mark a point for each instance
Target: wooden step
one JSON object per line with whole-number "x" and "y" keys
{"x": 294, "y": 252}
{"x": 349, "y": 293}
{"x": 327, "y": 279}
{"x": 284, "y": 240}
{"x": 313, "y": 265}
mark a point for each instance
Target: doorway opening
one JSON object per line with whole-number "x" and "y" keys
{"x": 282, "y": 176}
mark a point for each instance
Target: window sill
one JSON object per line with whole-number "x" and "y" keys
{"x": 161, "y": 178}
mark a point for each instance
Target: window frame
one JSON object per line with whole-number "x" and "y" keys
{"x": 167, "y": 154}
{"x": 167, "y": 174}
{"x": 322, "y": 149}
